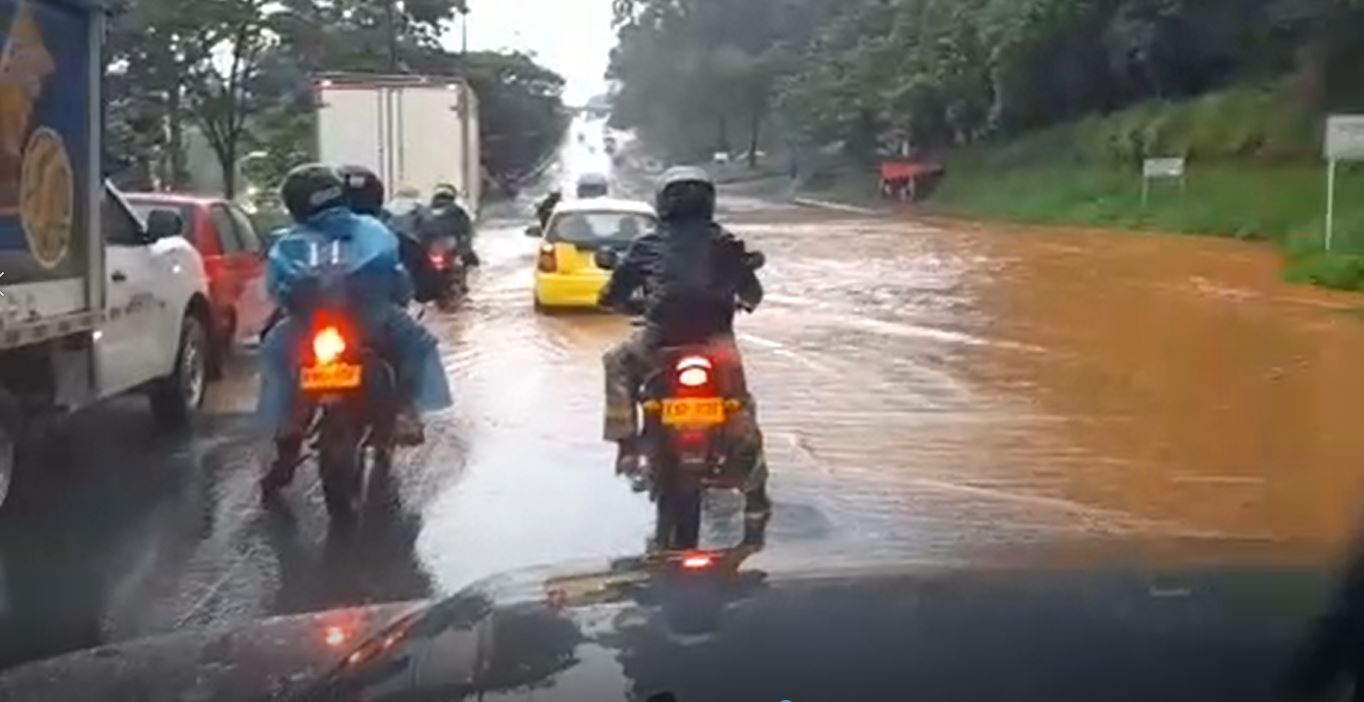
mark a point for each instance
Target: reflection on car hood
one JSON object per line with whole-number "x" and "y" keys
{"x": 249, "y": 663}
{"x": 640, "y": 628}
{"x": 716, "y": 628}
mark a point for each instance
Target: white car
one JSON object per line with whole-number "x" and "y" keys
{"x": 157, "y": 335}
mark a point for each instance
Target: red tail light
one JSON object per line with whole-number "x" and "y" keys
{"x": 335, "y": 636}
{"x": 693, "y": 371}
{"x": 328, "y": 345}
{"x": 697, "y": 561}
{"x": 439, "y": 261}
{"x": 548, "y": 262}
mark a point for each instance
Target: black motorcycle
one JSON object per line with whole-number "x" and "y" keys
{"x": 450, "y": 271}
{"x": 693, "y": 405}
{"x": 351, "y": 390}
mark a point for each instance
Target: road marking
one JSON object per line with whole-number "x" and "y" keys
{"x": 836, "y": 206}
{"x": 759, "y": 341}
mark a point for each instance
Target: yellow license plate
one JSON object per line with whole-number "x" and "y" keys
{"x": 694, "y": 411}
{"x": 333, "y": 376}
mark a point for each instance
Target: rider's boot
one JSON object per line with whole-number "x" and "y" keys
{"x": 630, "y": 463}
{"x": 757, "y": 505}
{"x": 288, "y": 454}
{"x": 408, "y": 429}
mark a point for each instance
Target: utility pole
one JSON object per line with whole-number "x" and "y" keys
{"x": 391, "y": 15}
{"x": 464, "y": 30}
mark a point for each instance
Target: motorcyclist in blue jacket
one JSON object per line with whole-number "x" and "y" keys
{"x": 377, "y": 288}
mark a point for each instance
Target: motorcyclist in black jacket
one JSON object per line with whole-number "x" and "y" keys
{"x": 446, "y": 217}
{"x": 546, "y": 207}
{"x": 693, "y": 274}
{"x": 365, "y": 195}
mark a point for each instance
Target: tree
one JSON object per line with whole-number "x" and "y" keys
{"x": 154, "y": 45}
{"x": 223, "y": 92}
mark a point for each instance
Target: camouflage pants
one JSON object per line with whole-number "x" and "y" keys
{"x": 628, "y": 364}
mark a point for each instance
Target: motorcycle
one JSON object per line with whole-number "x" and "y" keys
{"x": 351, "y": 391}
{"x": 692, "y": 405}
{"x": 451, "y": 272}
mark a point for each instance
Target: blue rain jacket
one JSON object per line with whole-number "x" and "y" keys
{"x": 376, "y": 287}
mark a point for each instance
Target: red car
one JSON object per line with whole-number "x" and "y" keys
{"x": 234, "y": 259}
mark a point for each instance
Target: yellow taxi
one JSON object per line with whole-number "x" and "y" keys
{"x": 566, "y": 276}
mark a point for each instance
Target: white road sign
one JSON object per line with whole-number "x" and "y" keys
{"x": 1345, "y": 138}
{"x": 1163, "y": 168}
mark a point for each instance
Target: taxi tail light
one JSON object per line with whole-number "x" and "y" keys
{"x": 328, "y": 345}
{"x": 548, "y": 262}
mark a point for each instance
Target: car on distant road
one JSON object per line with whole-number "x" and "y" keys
{"x": 234, "y": 259}
{"x": 593, "y": 185}
{"x": 566, "y": 274}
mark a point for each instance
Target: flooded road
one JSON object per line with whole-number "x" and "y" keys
{"x": 929, "y": 390}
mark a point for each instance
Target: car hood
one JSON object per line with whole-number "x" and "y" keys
{"x": 252, "y": 662}
{"x": 708, "y": 626}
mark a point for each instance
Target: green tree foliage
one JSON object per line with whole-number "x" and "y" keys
{"x": 698, "y": 76}
{"x": 882, "y": 75}
{"x": 240, "y": 71}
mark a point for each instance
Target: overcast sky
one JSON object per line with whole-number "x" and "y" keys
{"x": 573, "y": 37}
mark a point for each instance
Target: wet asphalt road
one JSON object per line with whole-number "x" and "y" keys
{"x": 929, "y": 390}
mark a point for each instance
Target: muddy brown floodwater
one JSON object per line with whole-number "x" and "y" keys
{"x": 941, "y": 390}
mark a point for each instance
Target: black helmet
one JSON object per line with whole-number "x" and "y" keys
{"x": 364, "y": 191}
{"x": 310, "y": 189}
{"x": 685, "y": 193}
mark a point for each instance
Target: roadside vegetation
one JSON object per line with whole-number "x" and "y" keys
{"x": 1254, "y": 172}
{"x": 1043, "y": 110}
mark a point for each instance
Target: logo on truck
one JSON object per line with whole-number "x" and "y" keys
{"x": 36, "y": 178}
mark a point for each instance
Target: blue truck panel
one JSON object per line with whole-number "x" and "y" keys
{"x": 46, "y": 102}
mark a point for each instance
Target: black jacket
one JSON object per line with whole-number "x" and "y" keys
{"x": 426, "y": 281}
{"x": 692, "y": 274}
{"x": 448, "y": 221}
{"x": 546, "y": 208}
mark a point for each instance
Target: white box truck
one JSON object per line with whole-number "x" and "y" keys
{"x": 94, "y": 302}
{"x": 413, "y": 131}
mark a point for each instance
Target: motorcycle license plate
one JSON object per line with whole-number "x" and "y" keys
{"x": 693, "y": 411}
{"x": 333, "y": 376}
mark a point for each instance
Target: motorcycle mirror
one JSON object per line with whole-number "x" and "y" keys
{"x": 606, "y": 259}
{"x": 755, "y": 260}
{"x": 533, "y": 231}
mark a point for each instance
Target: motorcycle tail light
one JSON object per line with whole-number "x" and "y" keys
{"x": 693, "y": 371}
{"x": 548, "y": 262}
{"x": 328, "y": 345}
{"x": 697, "y": 561}
{"x": 439, "y": 261}
{"x": 691, "y": 439}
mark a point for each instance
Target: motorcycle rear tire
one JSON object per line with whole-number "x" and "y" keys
{"x": 678, "y": 520}
{"x": 340, "y": 462}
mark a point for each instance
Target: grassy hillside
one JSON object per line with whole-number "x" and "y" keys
{"x": 1254, "y": 172}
